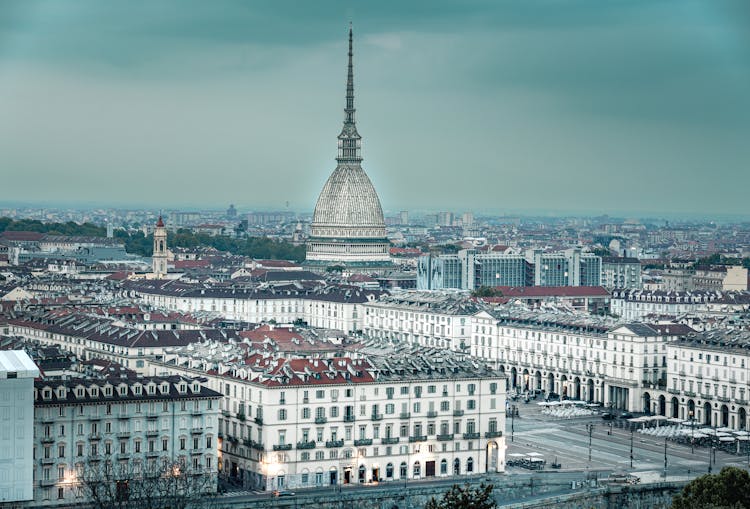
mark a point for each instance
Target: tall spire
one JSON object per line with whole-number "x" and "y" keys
{"x": 349, "y": 139}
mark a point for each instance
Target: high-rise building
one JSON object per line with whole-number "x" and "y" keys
{"x": 348, "y": 226}
{"x": 159, "y": 258}
{"x": 403, "y": 217}
{"x": 17, "y": 373}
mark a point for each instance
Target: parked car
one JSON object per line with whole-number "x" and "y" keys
{"x": 607, "y": 416}
{"x": 626, "y": 415}
{"x": 283, "y": 493}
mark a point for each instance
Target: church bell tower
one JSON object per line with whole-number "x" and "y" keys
{"x": 159, "y": 258}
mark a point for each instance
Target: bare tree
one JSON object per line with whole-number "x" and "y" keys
{"x": 155, "y": 485}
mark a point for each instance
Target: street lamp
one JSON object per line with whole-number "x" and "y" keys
{"x": 631, "y": 447}
{"x": 692, "y": 433}
{"x": 590, "y": 428}
{"x": 665, "y": 457}
{"x": 512, "y": 421}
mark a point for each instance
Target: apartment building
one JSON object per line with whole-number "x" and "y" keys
{"x": 378, "y": 414}
{"x": 431, "y": 319}
{"x": 594, "y": 359}
{"x": 96, "y": 430}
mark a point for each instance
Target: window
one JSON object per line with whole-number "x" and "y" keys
{"x": 182, "y": 444}
{"x": 306, "y": 413}
{"x": 282, "y": 414}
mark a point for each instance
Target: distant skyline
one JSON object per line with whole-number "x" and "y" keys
{"x": 637, "y": 107}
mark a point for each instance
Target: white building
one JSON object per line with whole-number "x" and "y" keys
{"x": 431, "y": 319}
{"x": 708, "y": 379}
{"x": 586, "y": 358}
{"x": 640, "y": 304}
{"x": 17, "y": 373}
{"x": 382, "y": 415}
{"x": 329, "y": 307}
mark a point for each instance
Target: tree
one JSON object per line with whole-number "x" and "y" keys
{"x": 730, "y": 488}
{"x": 487, "y": 291}
{"x": 153, "y": 485}
{"x": 465, "y": 497}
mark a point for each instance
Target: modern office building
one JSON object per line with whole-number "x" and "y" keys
{"x": 17, "y": 373}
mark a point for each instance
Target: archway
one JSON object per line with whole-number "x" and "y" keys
{"x": 525, "y": 380}
{"x": 469, "y": 465}
{"x": 538, "y": 380}
{"x": 513, "y": 375}
{"x": 724, "y": 415}
{"x": 564, "y": 386}
{"x": 417, "y": 471}
{"x": 742, "y": 418}
{"x": 675, "y": 407}
{"x": 590, "y": 385}
{"x": 389, "y": 471}
{"x": 576, "y": 388}
{"x": 662, "y": 406}
{"x": 402, "y": 470}
{"x": 456, "y": 466}
{"x": 491, "y": 460}
{"x": 444, "y": 467}
{"x": 646, "y": 403}
{"x": 550, "y": 383}
{"x": 707, "y": 414}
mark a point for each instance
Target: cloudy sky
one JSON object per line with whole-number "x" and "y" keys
{"x": 634, "y": 106}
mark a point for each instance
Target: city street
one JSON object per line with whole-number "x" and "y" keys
{"x": 567, "y": 441}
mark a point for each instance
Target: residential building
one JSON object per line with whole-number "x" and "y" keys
{"x": 621, "y": 272}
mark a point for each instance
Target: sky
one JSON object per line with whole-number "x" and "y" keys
{"x": 592, "y": 106}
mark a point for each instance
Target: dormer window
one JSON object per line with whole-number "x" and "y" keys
{"x": 94, "y": 392}
{"x": 137, "y": 390}
{"x": 183, "y": 388}
{"x": 108, "y": 391}
{"x": 47, "y": 393}
{"x": 79, "y": 392}
{"x": 123, "y": 390}
{"x": 61, "y": 392}
{"x": 151, "y": 389}
{"x": 165, "y": 388}
{"x": 196, "y": 388}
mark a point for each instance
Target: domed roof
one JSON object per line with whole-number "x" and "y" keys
{"x": 348, "y": 200}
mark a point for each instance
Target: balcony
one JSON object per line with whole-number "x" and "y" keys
{"x": 47, "y": 461}
{"x": 471, "y": 436}
{"x": 404, "y": 415}
{"x": 445, "y": 437}
{"x": 673, "y": 391}
{"x": 493, "y": 434}
{"x": 417, "y": 438}
{"x": 47, "y": 482}
{"x": 723, "y": 399}
{"x": 362, "y": 442}
{"x": 48, "y": 440}
{"x": 306, "y": 445}
{"x": 152, "y": 433}
{"x": 431, "y": 414}
{"x": 225, "y": 413}
{"x": 94, "y": 436}
{"x": 389, "y": 440}
{"x": 376, "y": 417}
{"x": 257, "y": 446}
{"x": 458, "y": 413}
{"x": 349, "y": 418}
{"x": 196, "y": 430}
{"x": 241, "y": 417}
{"x": 741, "y": 401}
{"x": 152, "y": 454}
{"x": 690, "y": 394}
{"x": 335, "y": 443}
{"x": 124, "y": 456}
{"x": 123, "y": 434}
{"x": 282, "y": 447}
{"x": 259, "y": 421}
{"x": 320, "y": 420}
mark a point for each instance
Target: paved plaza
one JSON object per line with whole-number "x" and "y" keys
{"x": 566, "y": 441}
